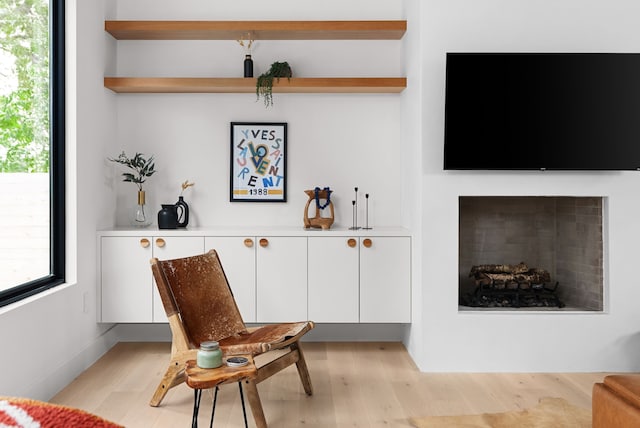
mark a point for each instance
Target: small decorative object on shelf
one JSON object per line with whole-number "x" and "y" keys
{"x": 318, "y": 221}
{"x": 355, "y": 211}
{"x": 143, "y": 168}
{"x": 248, "y": 61}
{"x": 182, "y": 207}
{"x": 264, "y": 84}
{"x": 168, "y": 216}
{"x": 366, "y": 213}
{"x": 248, "y": 66}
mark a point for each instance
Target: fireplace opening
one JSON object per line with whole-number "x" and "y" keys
{"x": 531, "y": 253}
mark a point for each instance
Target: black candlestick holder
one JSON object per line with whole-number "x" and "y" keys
{"x": 354, "y": 203}
{"x": 366, "y": 213}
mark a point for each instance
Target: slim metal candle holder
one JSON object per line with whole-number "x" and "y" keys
{"x": 366, "y": 227}
{"x": 355, "y": 212}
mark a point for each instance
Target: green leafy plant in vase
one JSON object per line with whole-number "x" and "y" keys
{"x": 142, "y": 169}
{"x": 264, "y": 83}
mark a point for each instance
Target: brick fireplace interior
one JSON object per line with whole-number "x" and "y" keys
{"x": 560, "y": 234}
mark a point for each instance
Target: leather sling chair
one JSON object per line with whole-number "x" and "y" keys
{"x": 200, "y": 307}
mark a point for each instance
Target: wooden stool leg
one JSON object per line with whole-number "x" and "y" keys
{"x": 172, "y": 377}
{"x": 303, "y": 371}
{"x": 256, "y": 405}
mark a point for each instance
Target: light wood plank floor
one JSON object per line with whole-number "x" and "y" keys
{"x": 355, "y": 385}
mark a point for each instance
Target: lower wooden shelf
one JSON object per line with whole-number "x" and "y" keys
{"x": 248, "y": 85}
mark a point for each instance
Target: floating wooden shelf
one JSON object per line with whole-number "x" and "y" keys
{"x": 248, "y": 85}
{"x": 258, "y": 30}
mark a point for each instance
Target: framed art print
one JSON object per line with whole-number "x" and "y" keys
{"x": 258, "y": 162}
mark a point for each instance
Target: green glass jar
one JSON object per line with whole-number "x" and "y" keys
{"x": 209, "y": 355}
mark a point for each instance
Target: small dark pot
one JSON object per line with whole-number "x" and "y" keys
{"x": 168, "y": 217}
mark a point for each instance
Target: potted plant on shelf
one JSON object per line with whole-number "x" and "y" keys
{"x": 142, "y": 169}
{"x": 264, "y": 83}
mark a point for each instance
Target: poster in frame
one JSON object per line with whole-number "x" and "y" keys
{"x": 258, "y": 162}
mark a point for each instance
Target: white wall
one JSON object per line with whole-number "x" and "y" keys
{"x": 50, "y": 338}
{"x": 456, "y": 341}
{"x": 335, "y": 140}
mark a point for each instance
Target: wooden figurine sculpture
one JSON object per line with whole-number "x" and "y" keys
{"x": 318, "y": 221}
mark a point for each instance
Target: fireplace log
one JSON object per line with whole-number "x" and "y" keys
{"x": 512, "y": 269}
{"x": 511, "y": 281}
{"x": 510, "y": 286}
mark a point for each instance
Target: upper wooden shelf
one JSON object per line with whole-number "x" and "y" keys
{"x": 257, "y": 30}
{"x": 248, "y": 85}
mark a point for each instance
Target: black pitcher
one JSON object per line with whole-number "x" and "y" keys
{"x": 168, "y": 217}
{"x": 182, "y": 212}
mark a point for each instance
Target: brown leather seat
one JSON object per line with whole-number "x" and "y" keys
{"x": 200, "y": 307}
{"x": 616, "y": 402}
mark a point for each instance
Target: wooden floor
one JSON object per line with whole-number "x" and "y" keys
{"x": 355, "y": 385}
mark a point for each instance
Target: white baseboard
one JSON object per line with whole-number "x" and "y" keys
{"x": 49, "y": 386}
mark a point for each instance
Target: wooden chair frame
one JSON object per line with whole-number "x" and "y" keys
{"x": 183, "y": 349}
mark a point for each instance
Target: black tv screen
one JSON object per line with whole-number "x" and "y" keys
{"x": 553, "y": 111}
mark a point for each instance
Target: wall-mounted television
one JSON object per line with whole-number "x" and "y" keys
{"x": 544, "y": 111}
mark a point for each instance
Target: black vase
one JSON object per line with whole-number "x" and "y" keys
{"x": 182, "y": 212}
{"x": 248, "y": 66}
{"x": 168, "y": 217}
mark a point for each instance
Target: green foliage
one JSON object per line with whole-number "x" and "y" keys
{"x": 264, "y": 84}
{"x": 142, "y": 167}
{"x": 24, "y": 93}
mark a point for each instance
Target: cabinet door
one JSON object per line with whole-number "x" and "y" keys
{"x": 238, "y": 258}
{"x": 173, "y": 247}
{"x": 385, "y": 280}
{"x": 125, "y": 279}
{"x": 281, "y": 279}
{"x": 333, "y": 279}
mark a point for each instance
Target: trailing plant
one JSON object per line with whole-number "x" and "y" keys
{"x": 264, "y": 84}
{"x": 142, "y": 167}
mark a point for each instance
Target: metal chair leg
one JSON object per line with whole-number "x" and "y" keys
{"x": 197, "y": 394}
{"x": 213, "y": 409}
{"x": 244, "y": 410}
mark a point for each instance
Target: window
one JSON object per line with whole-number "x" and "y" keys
{"x": 32, "y": 135}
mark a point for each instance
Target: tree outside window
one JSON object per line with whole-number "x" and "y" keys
{"x": 26, "y": 141}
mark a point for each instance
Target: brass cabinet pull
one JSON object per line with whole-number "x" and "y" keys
{"x": 367, "y": 242}
{"x": 351, "y": 242}
{"x": 248, "y": 242}
{"x": 144, "y": 243}
{"x": 264, "y": 242}
{"x": 160, "y": 242}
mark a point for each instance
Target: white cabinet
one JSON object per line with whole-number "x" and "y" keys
{"x": 360, "y": 279}
{"x": 385, "y": 279}
{"x": 171, "y": 247}
{"x": 325, "y": 277}
{"x": 333, "y": 279}
{"x": 281, "y": 279}
{"x": 128, "y": 291}
{"x": 267, "y": 275}
{"x": 126, "y": 279}
{"x": 238, "y": 258}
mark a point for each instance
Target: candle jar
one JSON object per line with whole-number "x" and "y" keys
{"x": 209, "y": 355}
